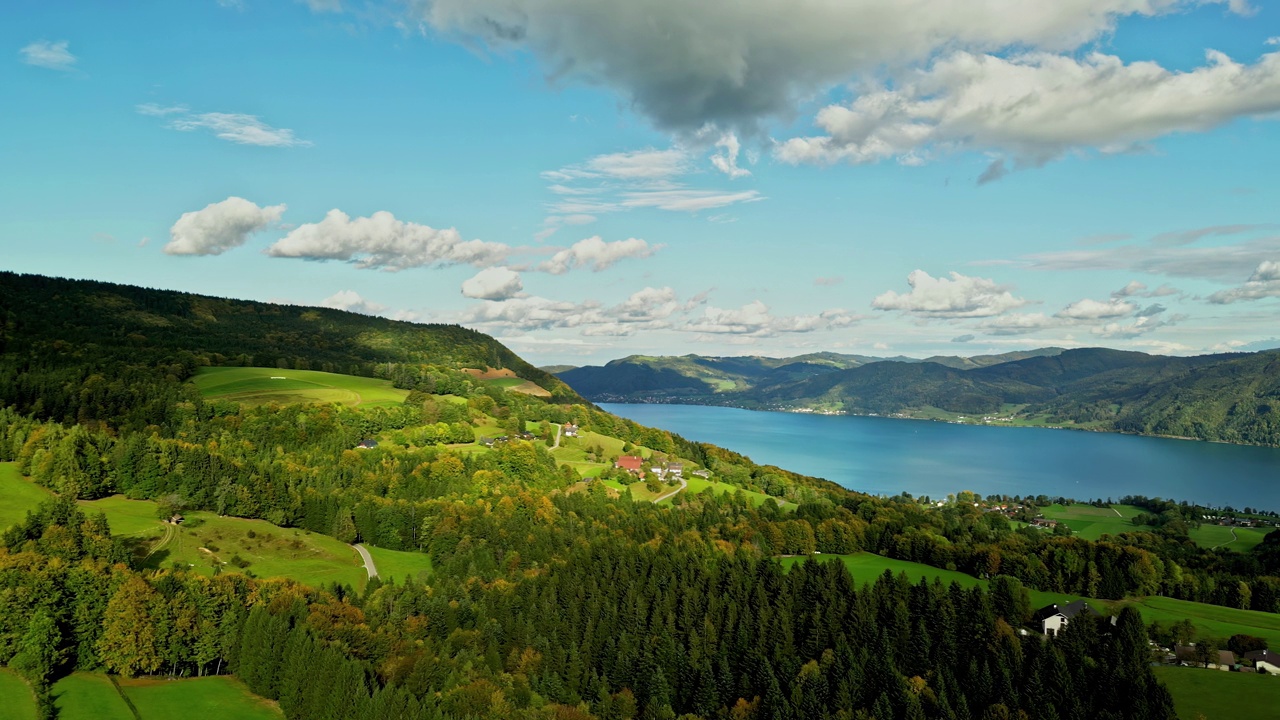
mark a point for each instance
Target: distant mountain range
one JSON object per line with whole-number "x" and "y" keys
{"x": 1231, "y": 397}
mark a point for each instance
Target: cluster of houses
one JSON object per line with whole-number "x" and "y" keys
{"x": 569, "y": 430}
{"x": 1238, "y": 522}
{"x": 501, "y": 439}
{"x": 666, "y": 471}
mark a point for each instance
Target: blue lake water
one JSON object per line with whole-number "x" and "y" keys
{"x": 884, "y": 456}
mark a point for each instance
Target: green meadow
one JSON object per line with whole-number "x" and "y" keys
{"x": 19, "y": 495}
{"x": 1217, "y": 695}
{"x": 399, "y": 564}
{"x": 222, "y": 697}
{"x": 15, "y": 696}
{"x": 89, "y": 696}
{"x": 267, "y": 385}
{"x": 1092, "y": 523}
{"x": 698, "y": 485}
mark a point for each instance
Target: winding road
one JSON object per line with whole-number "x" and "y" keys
{"x": 683, "y": 485}
{"x": 368, "y": 561}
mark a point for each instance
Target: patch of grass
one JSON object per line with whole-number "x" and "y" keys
{"x": 89, "y": 696}
{"x": 506, "y": 382}
{"x": 698, "y": 485}
{"x": 16, "y": 697}
{"x": 17, "y": 496}
{"x": 1210, "y": 620}
{"x": 1092, "y": 523}
{"x": 399, "y": 564}
{"x": 265, "y": 385}
{"x": 126, "y": 517}
{"x": 868, "y": 567}
{"x": 1212, "y": 536}
{"x": 222, "y": 697}
{"x": 1217, "y": 695}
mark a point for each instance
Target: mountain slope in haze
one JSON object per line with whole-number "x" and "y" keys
{"x": 691, "y": 378}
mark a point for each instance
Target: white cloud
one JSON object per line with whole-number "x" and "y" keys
{"x": 960, "y": 297}
{"x": 1264, "y": 283}
{"x": 324, "y": 6}
{"x": 755, "y": 320}
{"x": 156, "y": 110}
{"x": 240, "y": 129}
{"x": 495, "y": 283}
{"x": 1017, "y": 324}
{"x": 830, "y": 281}
{"x": 1140, "y": 326}
{"x": 1035, "y": 107}
{"x": 351, "y": 301}
{"x": 1273, "y": 41}
{"x": 50, "y": 55}
{"x": 1212, "y": 262}
{"x": 381, "y": 241}
{"x": 1088, "y": 309}
{"x": 727, "y": 161}
{"x": 638, "y": 179}
{"x": 219, "y": 227}
{"x": 595, "y": 253}
{"x": 1139, "y": 289}
{"x": 734, "y": 63}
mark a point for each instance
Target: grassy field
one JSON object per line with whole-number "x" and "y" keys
{"x": 16, "y": 698}
{"x": 127, "y": 517}
{"x": 698, "y": 485}
{"x": 399, "y": 564}
{"x": 19, "y": 495}
{"x": 868, "y": 567}
{"x": 224, "y": 698}
{"x": 89, "y": 696}
{"x": 1092, "y": 523}
{"x": 1243, "y": 540}
{"x": 1211, "y": 620}
{"x": 1216, "y": 695}
{"x": 266, "y": 385}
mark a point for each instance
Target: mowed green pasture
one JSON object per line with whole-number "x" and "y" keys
{"x": 18, "y": 495}
{"x": 16, "y": 699}
{"x": 267, "y": 385}
{"x": 222, "y": 697}
{"x": 89, "y": 696}
{"x": 1092, "y": 523}
{"x": 868, "y": 567}
{"x": 129, "y": 518}
{"x": 1213, "y": 536}
{"x": 1217, "y": 695}
{"x": 399, "y": 564}
{"x": 1210, "y": 620}
{"x": 206, "y": 540}
{"x": 698, "y": 485}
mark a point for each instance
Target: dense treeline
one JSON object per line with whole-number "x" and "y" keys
{"x": 613, "y": 629}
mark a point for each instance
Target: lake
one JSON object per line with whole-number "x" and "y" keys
{"x": 884, "y": 456}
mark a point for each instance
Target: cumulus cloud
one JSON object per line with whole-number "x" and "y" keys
{"x": 1264, "y": 283}
{"x": 733, "y": 63}
{"x": 961, "y": 296}
{"x": 967, "y": 337}
{"x": 1140, "y": 326}
{"x": 157, "y": 110}
{"x": 351, "y": 301}
{"x": 1035, "y": 107}
{"x": 495, "y": 283}
{"x": 49, "y": 55}
{"x": 219, "y": 227}
{"x": 1088, "y": 309}
{"x": 595, "y": 253}
{"x": 380, "y": 241}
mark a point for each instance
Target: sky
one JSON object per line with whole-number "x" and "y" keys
{"x": 590, "y": 179}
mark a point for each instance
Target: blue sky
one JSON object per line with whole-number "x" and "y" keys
{"x": 587, "y": 179}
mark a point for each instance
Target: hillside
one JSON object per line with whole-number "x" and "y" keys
{"x": 1232, "y": 397}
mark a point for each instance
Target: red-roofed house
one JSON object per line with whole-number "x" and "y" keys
{"x": 630, "y": 463}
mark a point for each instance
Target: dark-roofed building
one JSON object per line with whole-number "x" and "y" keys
{"x": 1265, "y": 660}
{"x": 367, "y": 445}
{"x": 1052, "y": 618}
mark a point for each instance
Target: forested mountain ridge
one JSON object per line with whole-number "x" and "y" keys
{"x": 1230, "y": 397}
{"x": 551, "y": 595}
{"x": 688, "y": 377}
